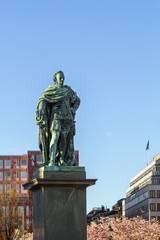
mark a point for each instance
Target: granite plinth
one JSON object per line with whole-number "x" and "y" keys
{"x": 59, "y": 204}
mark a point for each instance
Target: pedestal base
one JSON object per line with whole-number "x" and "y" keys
{"x": 59, "y": 204}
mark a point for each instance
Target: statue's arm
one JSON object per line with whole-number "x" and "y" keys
{"x": 41, "y": 113}
{"x": 75, "y": 104}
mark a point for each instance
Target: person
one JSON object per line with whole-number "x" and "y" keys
{"x": 55, "y": 116}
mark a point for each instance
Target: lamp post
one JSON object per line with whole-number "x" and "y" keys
{"x": 110, "y": 229}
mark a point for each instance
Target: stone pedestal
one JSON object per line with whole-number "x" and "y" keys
{"x": 59, "y": 203}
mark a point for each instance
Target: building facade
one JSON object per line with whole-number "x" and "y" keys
{"x": 18, "y": 169}
{"x": 143, "y": 195}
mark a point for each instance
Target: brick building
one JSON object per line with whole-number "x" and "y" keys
{"x": 19, "y": 170}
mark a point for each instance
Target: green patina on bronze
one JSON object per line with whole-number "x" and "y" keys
{"x": 55, "y": 116}
{"x": 61, "y": 169}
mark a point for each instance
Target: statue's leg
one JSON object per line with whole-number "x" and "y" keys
{"x": 70, "y": 151}
{"x": 62, "y": 147}
{"x": 70, "y": 146}
{"x": 53, "y": 147}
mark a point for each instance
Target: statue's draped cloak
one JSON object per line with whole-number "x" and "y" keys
{"x": 55, "y": 94}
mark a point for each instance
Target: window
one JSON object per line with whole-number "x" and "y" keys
{"x": 23, "y": 163}
{"x": 7, "y": 163}
{"x": 17, "y": 163}
{"x": 8, "y": 187}
{"x": 5, "y": 209}
{"x": 8, "y": 175}
{"x": 1, "y": 163}
{"x": 152, "y": 193}
{"x": 152, "y": 206}
{"x": 158, "y": 193}
{"x": 32, "y": 158}
{"x": 22, "y": 189}
{"x": 17, "y": 175}
{"x": 142, "y": 197}
{"x": 136, "y": 200}
{"x": 24, "y": 175}
{"x": 20, "y": 222}
{"x": 27, "y": 223}
{"x": 157, "y": 168}
{"x": 27, "y": 211}
{"x": 20, "y": 210}
{"x": 1, "y": 175}
{"x": 158, "y": 206}
{"x": 39, "y": 158}
{"x": 1, "y": 187}
{"x": 17, "y": 187}
{"x": 155, "y": 181}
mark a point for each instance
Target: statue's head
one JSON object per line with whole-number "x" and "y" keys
{"x": 58, "y": 78}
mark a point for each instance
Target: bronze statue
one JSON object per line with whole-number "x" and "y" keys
{"x": 55, "y": 116}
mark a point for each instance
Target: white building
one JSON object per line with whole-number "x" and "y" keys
{"x": 143, "y": 195}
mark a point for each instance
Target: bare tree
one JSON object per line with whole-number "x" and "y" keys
{"x": 11, "y": 215}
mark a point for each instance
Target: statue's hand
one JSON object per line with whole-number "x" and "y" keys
{"x": 42, "y": 124}
{"x": 39, "y": 113}
{"x": 40, "y": 117}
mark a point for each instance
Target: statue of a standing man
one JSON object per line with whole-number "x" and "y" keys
{"x": 55, "y": 116}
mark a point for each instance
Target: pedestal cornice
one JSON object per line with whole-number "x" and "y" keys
{"x": 77, "y": 183}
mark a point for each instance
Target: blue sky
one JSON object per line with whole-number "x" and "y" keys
{"x": 110, "y": 53}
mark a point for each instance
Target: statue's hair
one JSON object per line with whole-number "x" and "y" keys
{"x": 54, "y": 76}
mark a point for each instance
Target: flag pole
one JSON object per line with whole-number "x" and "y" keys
{"x": 148, "y": 156}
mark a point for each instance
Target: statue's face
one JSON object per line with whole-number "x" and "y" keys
{"x": 60, "y": 79}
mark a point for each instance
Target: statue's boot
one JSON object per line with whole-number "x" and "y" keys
{"x": 71, "y": 163}
{"x": 62, "y": 163}
{"x": 52, "y": 163}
